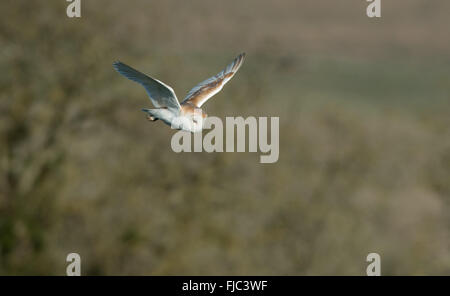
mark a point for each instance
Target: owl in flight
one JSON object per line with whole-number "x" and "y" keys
{"x": 188, "y": 115}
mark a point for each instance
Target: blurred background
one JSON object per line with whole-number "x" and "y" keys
{"x": 364, "y": 107}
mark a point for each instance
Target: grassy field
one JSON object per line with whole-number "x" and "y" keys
{"x": 364, "y": 165}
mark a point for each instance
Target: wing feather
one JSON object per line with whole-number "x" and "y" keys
{"x": 211, "y": 86}
{"x": 160, "y": 94}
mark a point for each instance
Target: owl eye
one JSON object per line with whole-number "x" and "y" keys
{"x": 194, "y": 120}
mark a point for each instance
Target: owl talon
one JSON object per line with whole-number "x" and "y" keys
{"x": 151, "y": 118}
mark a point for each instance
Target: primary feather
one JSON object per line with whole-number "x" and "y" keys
{"x": 160, "y": 94}
{"x": 211, "y": 86}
